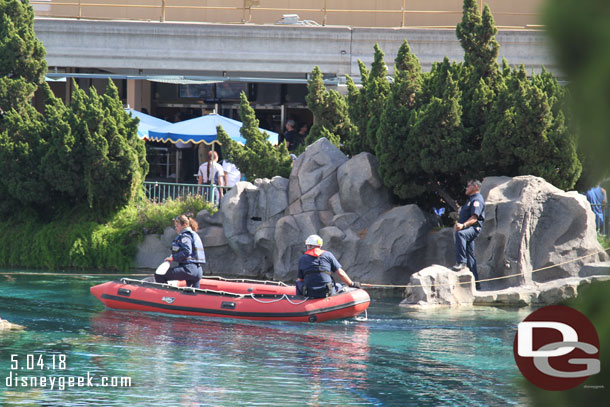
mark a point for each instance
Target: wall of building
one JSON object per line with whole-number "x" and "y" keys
{"x": 268, "y": 51}
{"x": 356, "y": 13}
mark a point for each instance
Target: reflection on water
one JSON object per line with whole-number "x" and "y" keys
{"x": 397, "y": 357}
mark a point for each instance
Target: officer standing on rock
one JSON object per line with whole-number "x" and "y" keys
{"x": 468, "y": 227}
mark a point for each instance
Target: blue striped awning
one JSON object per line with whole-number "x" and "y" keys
{"x": 202, "y": 130}
{"x": 147, "y": 122}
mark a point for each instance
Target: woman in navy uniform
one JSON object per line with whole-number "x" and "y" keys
{"x": 472, "y": 215}
{"x": 315, "y": 269}
{"x": 187, "y": 251}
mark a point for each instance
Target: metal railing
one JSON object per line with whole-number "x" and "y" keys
{"x": 161, "y": 191}
{"x": 255, "y": 11}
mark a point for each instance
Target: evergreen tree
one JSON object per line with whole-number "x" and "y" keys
{"x": 358, "y": 111}
{"x": 22, "y": 56}
{"x": 527, "y": 136}
{"x": 330, "y": 112}
{"x": 258, "y": 158}
{"x": 436, "y": 151}
{"x": 22, "y": 145}
{"x": 477, "y": 37}
{"x": 86, "y": 153}
{"x": 479, "y": 77}
{"x": 397, "y": 120}
{"x": 376, "y": 92}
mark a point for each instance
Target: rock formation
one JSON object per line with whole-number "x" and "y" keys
{"x": 260, "y": 229}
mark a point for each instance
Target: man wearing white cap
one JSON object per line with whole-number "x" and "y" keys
{"x": 316, "y": 267}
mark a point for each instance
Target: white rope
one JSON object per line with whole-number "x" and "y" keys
{"x": 283, "y": 297}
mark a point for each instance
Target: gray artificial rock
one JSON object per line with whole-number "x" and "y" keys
{"x": 530, "y": 225}
{"x": 151, "y": 252}
{"x": 316, "y": 198}
{"x": 393, "y": 247}
{"x": 273, "y": 197}
{"x": 360, "y": 187}
{"x": 154, "y": 249}
{"x": 314, "y": 175}
{"x": 334, "y": 204}
{"x": 204, "y": 219}
{"x": 260, "y": 228}
{"x": 437, "y": 285}
{"x": 213, "y": 236}
{"x": 234, "y": 209}
{"x": 595, "y": 269}
{"x": 440, "y": 247}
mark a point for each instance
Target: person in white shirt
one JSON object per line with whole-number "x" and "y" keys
{"x": 232, "y": 174}
{"x": 211, "y": 173}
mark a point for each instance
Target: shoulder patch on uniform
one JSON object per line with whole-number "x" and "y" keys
{"x": 476, "y": 204}
{"x": 185, "y": 240}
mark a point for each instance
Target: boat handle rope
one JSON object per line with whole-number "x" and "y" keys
{"x": 284, "y": 296}
{"x": 485, "y": 279}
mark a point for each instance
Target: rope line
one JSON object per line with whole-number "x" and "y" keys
{"x": 485, "y": 279}
{"x": 283, "y": 297}
{"x": 362, "y": 284}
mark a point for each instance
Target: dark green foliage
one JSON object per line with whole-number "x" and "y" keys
{"x": 73, "y": 240}
{"x": 88, "y": 152}
{"x": 469, "y": 120}
{"x": 580, "y": 37}
{"x": 376, "y": 92}
{"x": 111, "y": 158}
{"x": 357, "y": 115}
{"x": 366, "y": 104}
{"x": 393, "y": 142}
{"x": 22, "y": 56}
{"x": 529, "y": 134}
{"x": 329, "y": 108}
{"x": 477, "y": 37}
{"x": 436, "y": 140}
{"x": 258, "y": 158}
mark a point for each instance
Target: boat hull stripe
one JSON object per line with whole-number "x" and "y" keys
{"x": 229, "y": 312}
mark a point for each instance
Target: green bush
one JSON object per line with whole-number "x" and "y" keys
{"x": 73, "y": 240}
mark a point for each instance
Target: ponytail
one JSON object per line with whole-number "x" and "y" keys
{"x": 187, "y": 220}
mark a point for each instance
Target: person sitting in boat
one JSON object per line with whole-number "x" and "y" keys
{"x": 187, "y": 251}
{"x": 316, "y": 267}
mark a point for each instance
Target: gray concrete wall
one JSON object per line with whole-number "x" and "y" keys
{"x": 258, "y": 50}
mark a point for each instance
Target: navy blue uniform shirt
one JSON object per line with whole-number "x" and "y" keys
{"x": 310, "y": 267}
{"x": 474, "y": 206}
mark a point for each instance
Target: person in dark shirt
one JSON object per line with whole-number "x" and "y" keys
{"x": 316, "y": 267}
{"x": 290, "y": 135}
{"x": 468, "y": 228}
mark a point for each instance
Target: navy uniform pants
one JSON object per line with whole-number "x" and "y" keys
{"x": 464, "y": 248}
{"x": 190, "y": 272}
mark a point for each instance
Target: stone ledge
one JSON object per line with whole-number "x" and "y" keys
{"x": 548, "y": 293}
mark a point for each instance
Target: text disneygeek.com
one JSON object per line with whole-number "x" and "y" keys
{"x": 62, "y": 382}
{"x": 23, "y": 365}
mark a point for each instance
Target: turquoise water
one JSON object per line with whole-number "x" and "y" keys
{"x": 396, "y": 358}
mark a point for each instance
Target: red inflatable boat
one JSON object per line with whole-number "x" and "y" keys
{"x": 219, "y": 297}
